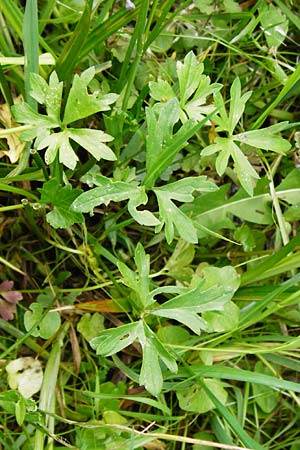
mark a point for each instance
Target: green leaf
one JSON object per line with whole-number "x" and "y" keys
{"x": 194, "y": 398}
{"x": 111, "y": 341}
{"x": 92, "y": 141}
{"x": 185, "y": 307}
{"x": 171, "y": 216}
{"x": 199, "y": 300}
{"x": 61, "y": 198}
{"x": 160, "y": 130}
{"x": 153, "y": 350}
{"x": 23, "y": 113}
{"x": 274, "y": 24}
{"x": 46, "y": 94}
{"x": 264, "y": 139}
{"x": 90, "y": 324}
{"x": 80, "y": 103}
{"x": 266, "y": 397}
{"x": 108, "y": 190}
{"x": 225, "y": 276}
{"x": 58, "y": 143}
{"x": 138, "y": 282}
{"x": 161, "y": 91}
{"x": 245, "y": 236}
{"x": 222, "y": 321}
{"x": 142, "y": 217}
{"x": 186, "y": 316}
{"x": 245, "y": 172}
{"x": 46, "y": 326}
{"x": 237, "y": 104}
{"x": 189, "y": 75}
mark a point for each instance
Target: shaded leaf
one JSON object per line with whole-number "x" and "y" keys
{"x": 8, "y": 299}
{"x": 61, "y": 198}
{"x": 45, "y": 325}
{"x": 195, "y": 399}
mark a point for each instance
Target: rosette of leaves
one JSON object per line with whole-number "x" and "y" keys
{"x": 231, "y": 146}
{"x": 55, "y": 133}
{"x": 183, "y": 305}
{"x": 191, "y": 90}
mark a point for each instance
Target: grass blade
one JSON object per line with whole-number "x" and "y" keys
{"x": 31, "y": 46}
{"x": 230, "y": 419}
{"x": 70, "y": 55}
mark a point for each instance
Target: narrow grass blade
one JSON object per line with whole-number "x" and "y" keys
{"x": 14, "y": 15}
{"x": 103, "y": 31}
{"x": 31, "y": 46}
{"x": 231, "y": 373}
{"x": 70, "y": 55}
{"x": 137, "y": 38}
{"x": 269, "y": 262}
{"x": 287, "y": 88}
{"x": 231, "y": 420}
{"x": 47, "y": 395}
{"x": 289, "y": 13}
{"x": 5, "y": 88}
{"x": 135, "y": 398}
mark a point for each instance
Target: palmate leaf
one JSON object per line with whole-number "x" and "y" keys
{"x": 138, "y": 282}
{"x": 185, "y": 307}
{"x": 171, "y": 216}
{"x": 108, "y": 190}
{"x": 114, "y": 340}
{"x": 194, "y": 88}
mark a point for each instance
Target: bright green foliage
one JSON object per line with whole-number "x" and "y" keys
{"x": 226, "y": 147}
{"x": 80, "y": 104}
{"x": 194, "y": 88}
{"x": 90, "y": 324}
{"x": 108, "y": 190}
{"x": 274, "y": 24}
{"x": 171, "y": 216}
{"x": 184, "y": 308}
{"x": 265, "y": 397}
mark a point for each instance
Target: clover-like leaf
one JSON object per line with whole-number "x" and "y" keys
{"x": 45, "y": 325}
